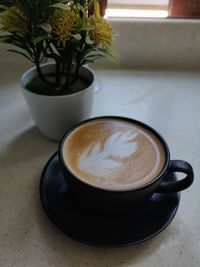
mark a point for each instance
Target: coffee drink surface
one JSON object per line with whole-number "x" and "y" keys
{"x": 113, "y": 154}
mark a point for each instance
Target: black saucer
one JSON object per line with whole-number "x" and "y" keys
{"x": 97, "y": 229}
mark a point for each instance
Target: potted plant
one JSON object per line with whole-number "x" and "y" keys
{"x": 58, "y": 93}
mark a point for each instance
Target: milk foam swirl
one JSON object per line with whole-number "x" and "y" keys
{"x": 114, "y": 154}
{"x": 96, "y": 160}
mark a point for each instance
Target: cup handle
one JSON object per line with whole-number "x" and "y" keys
{"x": 176, "y": 186}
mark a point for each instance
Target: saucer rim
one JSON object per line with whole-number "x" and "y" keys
{"x": 96, "y": 244}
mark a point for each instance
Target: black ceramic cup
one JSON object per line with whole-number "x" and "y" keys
{"x": 101, "y": 198}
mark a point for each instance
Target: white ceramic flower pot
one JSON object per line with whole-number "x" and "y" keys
{"x": 53, "y": 115}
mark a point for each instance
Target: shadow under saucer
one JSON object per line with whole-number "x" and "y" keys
{"x": 98, "y": 229}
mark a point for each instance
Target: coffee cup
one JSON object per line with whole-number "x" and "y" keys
{"x": 114, "y": 163}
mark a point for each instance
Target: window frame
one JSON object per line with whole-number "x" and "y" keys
{"x": 176, "y": 8}
{"x": 137, "y": 5}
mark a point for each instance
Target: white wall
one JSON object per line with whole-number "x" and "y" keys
{"x": 158, "y": 43}
{"x": 144, "y": 44}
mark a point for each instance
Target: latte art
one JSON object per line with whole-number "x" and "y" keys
{"x": 118, "y": 145}
{"x": 113, "y": 154}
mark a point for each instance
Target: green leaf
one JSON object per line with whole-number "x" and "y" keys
{"x": 39, "y": 39}
{"x": 113, "y": 55}
{"x": 3, "y": 7}
{"x": 77, "y": 36}
{"x": 4, "y": 39}
{"x": 88, "y": 40}
{"x": 19, "y": 42}
{"x": 46, "y": 27}
{"x": 61, "y": 6}
{"x": 20, "y": 53}
{"x": 81, "y": 9}
{"x": 56, "y": 1}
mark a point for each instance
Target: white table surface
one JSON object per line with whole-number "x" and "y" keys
{"x": 168, "y": 101}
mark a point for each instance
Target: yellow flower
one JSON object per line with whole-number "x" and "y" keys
{"x": 13, "y": 19}
{"x": 63, "y": 24}
{"x": 101, "y": 33}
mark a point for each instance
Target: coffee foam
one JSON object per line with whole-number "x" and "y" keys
{"x": 113, "y": 154}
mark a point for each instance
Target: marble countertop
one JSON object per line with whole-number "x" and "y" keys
{"x": 169, "y": 101}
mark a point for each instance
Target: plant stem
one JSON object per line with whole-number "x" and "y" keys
{"x": 41, "y": 76}
{"x": 37, "y": 63}
{"x": 76, "y": 74}
{"x": 58, "y": 75}
{"x": 68, "y": 74}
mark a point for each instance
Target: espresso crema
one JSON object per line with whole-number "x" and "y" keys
{"x": 113, "y": 154}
